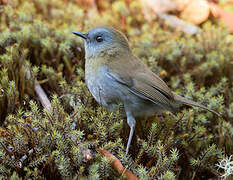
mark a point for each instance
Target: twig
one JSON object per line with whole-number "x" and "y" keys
{"x": 179, "y": 24}
{"x": 42, "y": 96}
{"x": 40, "y": 92}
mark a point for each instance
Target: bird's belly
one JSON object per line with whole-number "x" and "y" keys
{"x": 105, "y": 92}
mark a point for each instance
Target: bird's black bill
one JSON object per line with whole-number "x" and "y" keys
{"x": 82, "y": 35}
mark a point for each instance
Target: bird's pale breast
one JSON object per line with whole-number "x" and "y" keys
{"x": 103, "y": 89}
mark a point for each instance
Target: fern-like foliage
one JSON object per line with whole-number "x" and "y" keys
{"x": 36, "y": 43}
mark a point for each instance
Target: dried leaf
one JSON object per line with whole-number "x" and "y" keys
{"x": 196, "y": 11}
{"x": 223, "y": 15}
{"x": 116, "y": 164}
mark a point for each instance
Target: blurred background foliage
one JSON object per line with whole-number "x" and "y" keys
{"x": 40, "y": 144}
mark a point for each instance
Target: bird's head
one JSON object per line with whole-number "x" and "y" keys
{"x": 102, "y": 41}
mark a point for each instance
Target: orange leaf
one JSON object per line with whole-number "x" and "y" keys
{"x": 116, "y": 164}
{"x": 223, "y": 15}
{"x": 196, "y": 11}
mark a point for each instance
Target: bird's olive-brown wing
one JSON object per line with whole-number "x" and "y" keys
{"x": 141, "y": 81}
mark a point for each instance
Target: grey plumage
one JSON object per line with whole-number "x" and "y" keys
{"x": 113, "y": 74}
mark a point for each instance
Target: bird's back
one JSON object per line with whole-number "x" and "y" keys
{"x": 141, "y": 82}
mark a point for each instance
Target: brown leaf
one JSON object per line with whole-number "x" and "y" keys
{"x": 223, "y": 15}
{"x": 163, "y": 74}
{"x": 116, "y": 164}
{"x": 196, "y": 11}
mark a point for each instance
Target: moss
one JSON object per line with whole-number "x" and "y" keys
{"x": 36, "y": 143}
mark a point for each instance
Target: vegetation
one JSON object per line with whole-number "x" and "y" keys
{"x": 40, "y": 144}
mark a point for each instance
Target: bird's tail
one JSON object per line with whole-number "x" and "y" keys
{"x": 192, "y": 103}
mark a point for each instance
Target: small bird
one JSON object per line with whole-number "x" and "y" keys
{"x": 114, "y": 75}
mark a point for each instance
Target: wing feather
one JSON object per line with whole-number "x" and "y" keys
{"x": 141, "y": 81}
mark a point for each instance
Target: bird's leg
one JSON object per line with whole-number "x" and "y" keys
{"x": 131, "y": 122}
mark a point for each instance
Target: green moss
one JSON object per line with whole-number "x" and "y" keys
{"x": 38, "y": 144}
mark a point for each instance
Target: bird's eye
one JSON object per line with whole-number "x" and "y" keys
{"x": 99, "y": 39}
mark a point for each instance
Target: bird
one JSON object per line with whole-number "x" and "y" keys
{"x": 114, "y": 75}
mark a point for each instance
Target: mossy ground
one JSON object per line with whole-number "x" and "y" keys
{"x": 36, "y": 35}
